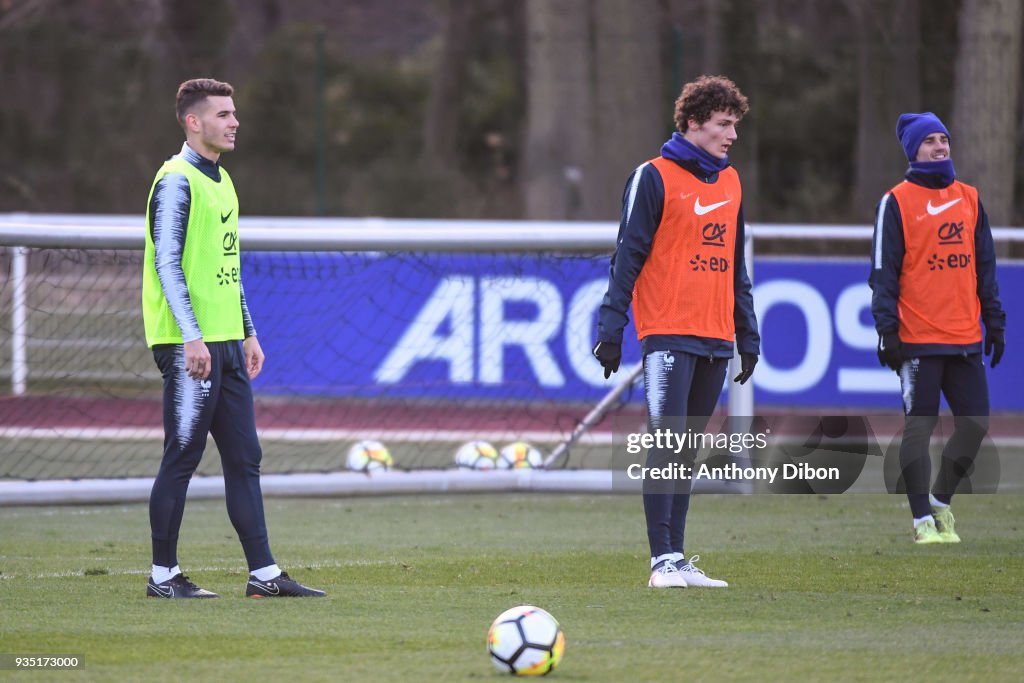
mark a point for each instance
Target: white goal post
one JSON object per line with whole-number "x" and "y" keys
{"x": 21, "y": 231}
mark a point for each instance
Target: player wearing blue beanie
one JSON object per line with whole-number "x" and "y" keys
{"x": 933, "y": 277}
{"x": 912, "y": 129}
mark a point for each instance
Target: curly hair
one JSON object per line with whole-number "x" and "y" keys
{"x": 196, "y": 90}
{"x": 705, "y": 96}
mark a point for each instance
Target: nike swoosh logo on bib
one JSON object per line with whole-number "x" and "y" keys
{"x": 701, "y": 210}
{"x": 224, "y": 219}
{"x": 936, "y": 210}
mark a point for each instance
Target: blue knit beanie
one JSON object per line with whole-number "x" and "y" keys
{"x": 911, "y": 129}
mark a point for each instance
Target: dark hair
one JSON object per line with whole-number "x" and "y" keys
{"x": 706, "y": 95}
{"x": 195, "y": 90}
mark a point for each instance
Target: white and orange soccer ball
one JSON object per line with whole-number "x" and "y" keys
{"x": 476, "y": 455}
{"x": 525, "y": 641}
{"x": 520, "y": 455}
{"x": 369, "y": 456}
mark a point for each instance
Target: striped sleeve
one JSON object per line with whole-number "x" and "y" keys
{"x": 992, "y": 312}
{"x": 887, "y": 250}
{"x": 748, "y": 340}
{"x": 247, "y": 326}
{"x": 634, "y": 183}
{"x": 879, "y": 234}
{"x": 642, "y": 204}
{"x": 169, "y": 210}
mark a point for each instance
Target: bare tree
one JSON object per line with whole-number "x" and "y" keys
{"x": 630, "y": 119}
{"x": 887, "y": 73}
{"x": 594, "y": 103}
{"x": 984, "y": 133}
{"x": 440, "y": 124}
{"x": 559, "y": 104}
{"x": 711, "y": 59}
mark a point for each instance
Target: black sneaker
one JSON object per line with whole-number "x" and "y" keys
{"x": 178, "y": 586}
{"x": 283, "y": 586}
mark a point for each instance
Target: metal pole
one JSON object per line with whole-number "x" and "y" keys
{"x": 560, "y": 454}
{"x": 19, "y": 328}
{"x": 741, "y": 396}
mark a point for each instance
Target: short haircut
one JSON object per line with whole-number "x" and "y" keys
{"x": 195, "y": 90}
{"x": 705, "y": 96}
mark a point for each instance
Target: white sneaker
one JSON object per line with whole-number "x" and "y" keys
{"x": 696, "y": 577}
{"x": 667, "y": 575}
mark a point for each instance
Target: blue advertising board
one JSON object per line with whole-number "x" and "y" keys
{"x": 521, "y": 327}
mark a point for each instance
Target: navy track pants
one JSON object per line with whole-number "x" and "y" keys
{"x": 221, "y": 405}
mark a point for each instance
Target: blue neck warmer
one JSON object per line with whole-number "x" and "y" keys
{"x": 936, "y": 174}
{"x": 680, "y": 149}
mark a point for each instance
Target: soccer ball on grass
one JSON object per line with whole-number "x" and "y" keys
{"x": 525, "y": 641}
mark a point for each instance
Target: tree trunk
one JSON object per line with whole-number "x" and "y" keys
{"x": 889, "y": 84}
{"x": 984, "y": 132}
{"x": 559, "y": 107}
{"x": 440, "y": 125}
{"x": 711, "y": 59}
{"x": 631, "y": 120}
{"x": 593, "y": 105}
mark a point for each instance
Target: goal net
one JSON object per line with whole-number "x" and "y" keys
{"x": 420, "y": 350}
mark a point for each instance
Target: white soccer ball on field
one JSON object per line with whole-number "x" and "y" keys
{"x": 369, "y": 456}
{"x": 520, "y": 456}
{"x": 525, "y": 641}
{"x": 477, "y": 455}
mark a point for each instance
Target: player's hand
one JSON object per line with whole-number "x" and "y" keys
{"x": 609, "y": 355}
{"x": 197, "y": 359}
{"x": 995, "y": 344}
{"x": 747, "y": 363}
{"x": 253, "y": 356}
{"x": 890, "y": 351}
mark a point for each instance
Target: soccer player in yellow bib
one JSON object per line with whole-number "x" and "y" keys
{"x": 195, "y": 315}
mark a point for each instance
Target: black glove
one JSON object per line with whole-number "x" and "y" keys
{"x": 995, "y": 343}
{"x": 609, "y": 355}
{"x": 747, "y": 363}
{"x": 890, "y": 350}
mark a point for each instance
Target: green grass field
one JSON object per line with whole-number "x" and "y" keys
{"x": 823, "y": 588}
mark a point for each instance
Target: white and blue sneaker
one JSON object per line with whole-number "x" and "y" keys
{"x": 696, "y": 578}
{"x": 666, "y": 575}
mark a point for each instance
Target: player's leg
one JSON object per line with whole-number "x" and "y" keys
{"x": 188, "y": 410}
{"x": 667, "y": 377}
{"x": 705, "y": 389}
{"x": 921, "y": 380}
{"x": 234, "y": 430}
{"x": 966, "y": 390}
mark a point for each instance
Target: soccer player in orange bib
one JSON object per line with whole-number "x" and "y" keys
{"x": 679, "y": 259}
{"x": 933, "y": 280}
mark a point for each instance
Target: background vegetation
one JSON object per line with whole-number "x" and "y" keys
{"x": 502, "y": 108}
